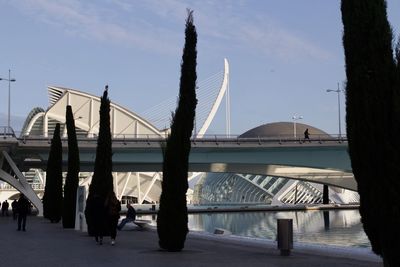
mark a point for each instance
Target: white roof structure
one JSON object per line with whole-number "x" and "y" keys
{"x": 86, "y": 113}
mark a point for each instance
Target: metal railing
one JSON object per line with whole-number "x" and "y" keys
{"x": 7, "y": 187}
{"x": 6, "y": 131}
{"x": 216, "y": 139}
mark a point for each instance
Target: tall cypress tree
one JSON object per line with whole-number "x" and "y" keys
{"x": 373, "y": 127}
{"x": 52, "y": 198}
{"x": 72, "y": 180}
{"x": 102, "y": 180}
{"x": 172, "y": 216}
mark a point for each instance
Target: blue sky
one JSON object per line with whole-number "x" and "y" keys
{"x": 283, "y": 54}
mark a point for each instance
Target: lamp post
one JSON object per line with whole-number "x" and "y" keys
{"x": 338, "y": 99}
{"x": 295, "y": 118}
{"x": 9, "y": 97}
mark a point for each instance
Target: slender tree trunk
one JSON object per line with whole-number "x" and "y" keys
{"x": 72, "y": 180}
{"x": 102, "y": 180}
{"x": 172, "y": 216}
{"x": 52, "y": 198}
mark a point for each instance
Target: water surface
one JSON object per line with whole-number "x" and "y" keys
{"x": 335, "y": 227}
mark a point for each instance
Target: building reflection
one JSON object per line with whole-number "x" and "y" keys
{"x": 337, "y": 227}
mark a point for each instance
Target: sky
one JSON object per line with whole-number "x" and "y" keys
{"x": 283, "y": 55}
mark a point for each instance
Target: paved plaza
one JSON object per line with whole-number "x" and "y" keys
{"x": 45, "y": 244}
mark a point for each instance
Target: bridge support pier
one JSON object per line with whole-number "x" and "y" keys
{"x": 10, "y": 173}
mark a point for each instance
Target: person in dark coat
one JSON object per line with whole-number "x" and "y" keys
{"x": 4, "y": 208}
{"x": 307, "y": 135}
{"x": 14, "y": 209}
{"x": 130, "y": 216}
{"x": 23, "y": 208}
{"x": 113, "y": 206}
{"x": 99, "y": 216}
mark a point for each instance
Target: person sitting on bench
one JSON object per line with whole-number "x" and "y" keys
{"x": 130, "y": 216}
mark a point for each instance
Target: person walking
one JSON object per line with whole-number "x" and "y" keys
{"x": 4, "y": 208}
{"x": 23, "y": 207}
{"x": 99, "y": 218}
{"x": 14, "y": 209}
{"x": 130, "y": 216}
{"x": 113, "y": 206}
{"x": 307, "y": 135}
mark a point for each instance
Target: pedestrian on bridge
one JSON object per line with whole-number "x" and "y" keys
{"x": 307, "y": 135}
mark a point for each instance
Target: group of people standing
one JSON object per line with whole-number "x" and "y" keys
{"x": 20, "y": 210}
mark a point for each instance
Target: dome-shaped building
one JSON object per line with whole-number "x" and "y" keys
{"x": 249, "y": 188}
{"x": 284, "y": 130}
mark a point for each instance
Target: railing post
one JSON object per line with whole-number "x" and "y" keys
{"x": 285, "y": 236}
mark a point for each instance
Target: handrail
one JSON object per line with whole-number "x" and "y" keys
{"x": 6, "y": 131}
{"x": 216, "y": 139}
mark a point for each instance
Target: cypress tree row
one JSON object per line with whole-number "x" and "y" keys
{"x": 72, "y": 180}
{"x": 102, "y": 180}
{"x": 52, "y": 198}
{"x": 373, "y": 127}
{"x": 172, "y": 216}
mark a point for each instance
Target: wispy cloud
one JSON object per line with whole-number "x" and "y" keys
{"x": 99, "y": 23}
{"x": 222, "y": 22}
{"x": 157, "y": 25}
{"x": 272, "y": 40}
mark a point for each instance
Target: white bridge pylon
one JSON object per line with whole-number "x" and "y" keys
{"x": 217, "y": 102}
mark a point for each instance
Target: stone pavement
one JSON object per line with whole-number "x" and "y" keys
{"x": 45, "y": 244}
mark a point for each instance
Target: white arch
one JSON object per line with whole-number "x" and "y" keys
{"x": 217, "y": 102}
{"x": 32, "y": 122}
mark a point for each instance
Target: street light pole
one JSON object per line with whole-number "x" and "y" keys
{"x": 295, "y": 118}
{"x": 9, "y": 98}
{"x": 338, "y": 97}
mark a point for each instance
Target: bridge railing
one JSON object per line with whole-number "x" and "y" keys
{"x": 6, "y": 131}
{"x": 217, "y": 138}
{"x": 7, "y": 187}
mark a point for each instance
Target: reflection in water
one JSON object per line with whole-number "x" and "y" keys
{"x": 336, "y": 227}
{"x": 326, "y": 220}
